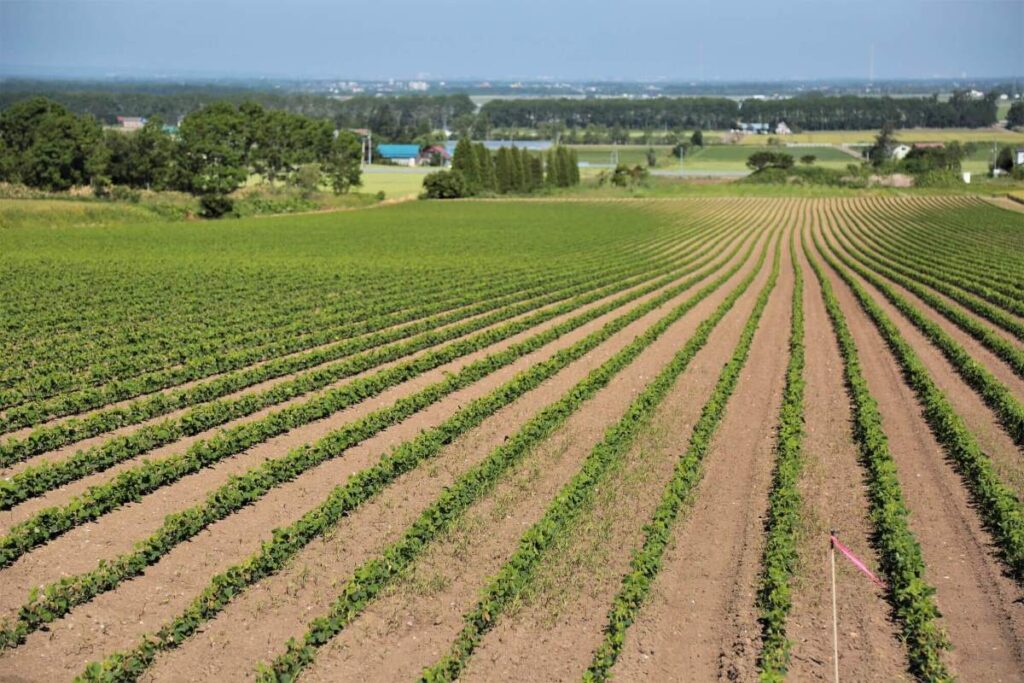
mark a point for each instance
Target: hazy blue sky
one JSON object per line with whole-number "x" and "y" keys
{"x": 739, "y": 39}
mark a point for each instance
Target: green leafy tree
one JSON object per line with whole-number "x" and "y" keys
{"x": 213, "y": 155}
{"x": 307, "y": 179}
{"x": 808, "y": 159}
{"x": 1015, "y": 117}
{"x": 1004, "y": 160}
{"x": 342, "y": 162}
{"x": 697, "y": 139}
{"x": 445, "y": 185}
{"x": 652, "y": 157}
{"x": 47, "y": 147}
{"x": 766, "y": 159}
{"x": 885, "y": 142}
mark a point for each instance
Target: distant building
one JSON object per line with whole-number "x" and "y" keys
{"x": 427, "y": 155}
{"x": 782, "y": 129}
{"x": 929, "y": 145}
{"x": 899, "y": 152}
{"x": 131, "y": 122}
{"x": 1018, "y": 157}
{"x": 403, "y": 155}
{"x": 756, "y": 128}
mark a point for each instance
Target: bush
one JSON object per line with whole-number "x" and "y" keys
{"x": 120, "y": 193}
{"x": 214, "y": 205}
{"x": 445, "y": 185}
{"x": 762, "y": 160}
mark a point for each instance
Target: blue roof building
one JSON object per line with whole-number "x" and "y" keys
{"x": 400, "y": 154}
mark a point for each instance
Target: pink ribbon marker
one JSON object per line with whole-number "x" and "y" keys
{"x": 856, "y": 561}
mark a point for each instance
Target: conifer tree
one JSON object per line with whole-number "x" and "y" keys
{"x": 516, "y": 159}
{"x": 485, "y": 166}
{"x": 464, "y": 159}
{"x": 503, "y": 171}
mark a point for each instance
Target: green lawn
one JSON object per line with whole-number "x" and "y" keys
{"x": 394, "y": 181}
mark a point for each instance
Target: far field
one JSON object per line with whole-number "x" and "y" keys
{"x": 513, "y": 440}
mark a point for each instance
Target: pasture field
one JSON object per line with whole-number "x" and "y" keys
{"x": 530, "y": 440}
{"x": 909, "y": 135}
{"x": 715, "y": 158}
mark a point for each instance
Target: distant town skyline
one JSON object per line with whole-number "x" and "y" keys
{"x": 647, "y": 40}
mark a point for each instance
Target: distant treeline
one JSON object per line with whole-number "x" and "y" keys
{"x": 399, "y": 118}
{"x": 406, "y": 118}
{"x": 800, "y": 113}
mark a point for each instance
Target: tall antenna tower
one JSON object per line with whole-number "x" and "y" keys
{"x": 871, "y": 65}
{"x": 700, "y": 59}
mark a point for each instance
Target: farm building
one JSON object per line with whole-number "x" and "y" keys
{"x": 131, "y": 122}
{"x": 427, "y": 155}
{"x": 757, "y": 128}
{"x": 1018, "y": 157}
{"x": 782, "y": 129}
{"x": 899, "y": 152}
{"x": 403, "y": 155}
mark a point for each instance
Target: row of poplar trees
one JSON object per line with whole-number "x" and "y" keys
{"x": 514, "y": 169}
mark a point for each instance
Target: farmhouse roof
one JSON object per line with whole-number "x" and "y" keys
{"x": 399, "y": 151}
{"x": 929, "y": 145}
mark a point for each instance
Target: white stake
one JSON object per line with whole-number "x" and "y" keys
{"x": 835, "y": 617}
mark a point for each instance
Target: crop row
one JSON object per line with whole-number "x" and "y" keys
{"x": 647, "y": 560}
{"x": 372, "y": 576}
{"x": 973, "y": 303}
{"x": 202, "y": 365}
{"x": 132, "y": 484}
{"x": 924, "y": 245}
{"x": 362, "y": 300}
{"x": 998, "y": 505}
{"x": 514, "y": 577}
{"x": 994, "y": 342}
{"x": 1008, "y": 409}
{"x": 780, "y": 558}
{"x": 56, "y": 599}
{"x": 71, "y": 431}
{"x": 900, "y": 554}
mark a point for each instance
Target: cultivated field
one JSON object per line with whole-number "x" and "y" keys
{"x": 515, "y": 440}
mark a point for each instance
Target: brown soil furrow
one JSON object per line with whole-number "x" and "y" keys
{"x": 980, "y": 419}
{"x": 835, "y": 497}
{"x": 115, "y": 532}
{"x": 405, "y": 631}
{"x": 701, "y": 616}
{"x": 115, "y": 620}
{"x": 554, "y": 636}
{"x": 64, "y": 494}
{"x": 982, "y": 609}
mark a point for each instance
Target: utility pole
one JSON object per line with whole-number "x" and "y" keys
{"x": 871, "y": 65}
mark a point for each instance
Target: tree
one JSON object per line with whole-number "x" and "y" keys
{"x": 485, "y": 161}
{"x": 444, "y": 185}
{"x": 503, "y": 171}
{"x": 47, "y": 147}
{"x": 885, "y": 143}
{"x": 697, "y": 139}
{"x": 465, "y": 160}
{"x": 1015, "y": 117}
{"x": 213, "y": 152}
{"x": 808, "y": 159}
{"x": 652, "y": 157}
{"x": 762, "y": 160}
{"x": 342, "y": 163}
{"x": 1004, "y": 160}
{"x": 307, "y": 179}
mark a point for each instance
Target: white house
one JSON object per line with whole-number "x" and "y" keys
{"x": 1018, "y": 156}
{"x": 782, "y": 129}
{"x": 899, "y": 152}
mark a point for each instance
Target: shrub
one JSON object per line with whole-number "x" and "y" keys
{"x": 215, "y": 205}
{"x": 445, "y": 185}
